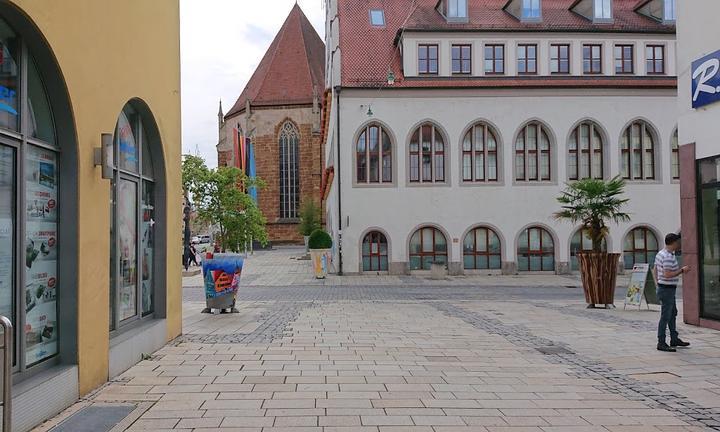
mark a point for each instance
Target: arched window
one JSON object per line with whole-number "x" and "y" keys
{"x": 637, "y": 148}
{"x": 481, "y": 250}
{"x": 427, "y": 155}
{"x": 640, "y": 247}
{"x": 289, "y": 171}
{"x": 427, "y": 245}
{"x": 536, "y": 250}
{"x": 31, "y": 197}
{"x": 480, "y": 154}
{"x": 132, "y": 248}
{"x": 373, "y": 155}
{"x": 532, "y": 153}
{"x": 375, "y": 252}
{"x": 585, "y": 158}
{"x": 675, "y": 161}
{"x": 581, "y": 243}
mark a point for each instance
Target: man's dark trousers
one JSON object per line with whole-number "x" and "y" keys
{"x": 668, "y": 312}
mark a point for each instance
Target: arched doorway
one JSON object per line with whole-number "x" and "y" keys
{"x": 136, "y": 261}
{"x": 375, "y": 252}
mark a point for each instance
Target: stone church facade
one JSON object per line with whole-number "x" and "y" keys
{"x": 280, "y": 112}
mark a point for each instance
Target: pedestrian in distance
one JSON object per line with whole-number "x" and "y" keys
{"x": 193, "y": 255}
{"x": 667, "y": 273}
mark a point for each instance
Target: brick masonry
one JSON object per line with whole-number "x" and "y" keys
{"x": 267, "y": 123}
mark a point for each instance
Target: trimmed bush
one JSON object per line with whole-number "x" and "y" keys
{"x": 319, "y": 239}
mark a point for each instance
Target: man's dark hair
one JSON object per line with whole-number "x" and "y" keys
{"x": 671, "y": 238}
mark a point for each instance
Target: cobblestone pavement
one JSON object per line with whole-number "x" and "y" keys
{"x": 426, "y": 357}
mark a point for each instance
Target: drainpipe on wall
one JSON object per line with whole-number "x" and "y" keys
{"x": 339, "y": 182}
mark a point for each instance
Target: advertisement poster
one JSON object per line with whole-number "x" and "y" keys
{"x": 127, "y": 232}
{"x": 641, "y": 286}
{"x": 40, "y": 243}
{"x": 41, "y": 254}
{"x": 41, "y": 311}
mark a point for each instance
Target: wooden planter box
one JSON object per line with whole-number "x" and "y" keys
{"x": 599, "y": 277}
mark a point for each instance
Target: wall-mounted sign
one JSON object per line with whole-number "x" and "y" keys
{"x": 706, "y": 80}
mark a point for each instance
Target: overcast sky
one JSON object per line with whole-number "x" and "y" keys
{"x": 222, "y": 42}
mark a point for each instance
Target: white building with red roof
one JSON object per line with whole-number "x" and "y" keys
{"x": 455, "y": 124}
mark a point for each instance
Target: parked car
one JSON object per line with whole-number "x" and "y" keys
{"x": 205, "y": 239}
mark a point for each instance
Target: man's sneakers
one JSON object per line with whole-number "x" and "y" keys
{"x": 665, "y": 347}
{"x": 679, "y": 343}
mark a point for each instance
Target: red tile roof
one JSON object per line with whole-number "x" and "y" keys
{"x": 293, "y": 66}
{"x": 368, "y": 52}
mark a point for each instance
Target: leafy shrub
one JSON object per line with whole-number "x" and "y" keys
{"x": 319, "y": 239}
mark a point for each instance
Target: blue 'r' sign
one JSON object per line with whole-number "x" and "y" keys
{"x": 706, "y": 80}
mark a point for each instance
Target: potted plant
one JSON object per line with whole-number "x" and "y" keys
{"x": 309, "y": 220}
{"x": 593, "y": 203}
{"x": 320, "y": 244}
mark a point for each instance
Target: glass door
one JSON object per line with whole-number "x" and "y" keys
{"x": 710, "y": 264}
{"x": 8, "y": 223}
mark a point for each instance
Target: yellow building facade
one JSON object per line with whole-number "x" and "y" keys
{"x": 90, "y": 253}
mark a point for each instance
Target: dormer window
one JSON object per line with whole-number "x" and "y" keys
{"x": 670, "y": 14}
{"x": 455, "y": 10}
{"x": 660, "y": 10}
{"x": 603, "y": 10}
{"x": 531, "y": 10}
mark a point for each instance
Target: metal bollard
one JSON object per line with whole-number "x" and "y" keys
{"x": 7, "y": 373}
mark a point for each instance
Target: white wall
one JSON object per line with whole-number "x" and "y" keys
{"x": 398, "y": 210}
{"x": 698, "y": 35}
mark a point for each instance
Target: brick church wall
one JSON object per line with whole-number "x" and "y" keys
{"x": 267, "y": 123}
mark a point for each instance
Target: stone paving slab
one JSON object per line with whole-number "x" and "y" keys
{"x": 421, "y": 357}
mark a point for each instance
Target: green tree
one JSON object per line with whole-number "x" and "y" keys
{"x": 593, "y": 203}
{"x": 219, "y": 197}
{"x": 309, "y": 218}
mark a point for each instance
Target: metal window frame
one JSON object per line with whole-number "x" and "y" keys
{"x": 630, "y": 155}
{"x": 494, "y": 59}
{"x": 366, "y": 153}
{"x": 537, "y": 154}
{"x": 461, "y": 58}
{"x": 480, "y": 253}
{"x": 422, "y": 254}
{"x": 375, "y": 237}
{"x": 525, "y": 57}
{"x": 289, "y": 143}
{"x": 556, "y": 49}
{"x": 537, "y": 252}
{"x": 139, "y": 178}
{"x": 21, "y": 141}
{"x": 655, "y": 60}
{"x": 433, "y": 153}
{"x": 591, "y": 151}
{"x": 485, "y": 152}
{"x": 623, "y": 59}
{"x": 426, "y": 47}
{"x": 647, "y": 231}
{"x": 699, "y": 223}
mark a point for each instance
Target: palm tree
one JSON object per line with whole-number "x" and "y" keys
{"x": 594, "y": 202}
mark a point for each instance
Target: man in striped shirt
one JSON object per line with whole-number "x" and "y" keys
{"x": 667, "y": 274}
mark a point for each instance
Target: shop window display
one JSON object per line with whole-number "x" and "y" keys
{"x": 133, "y": 224}
{"x": 29, "y": 204}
